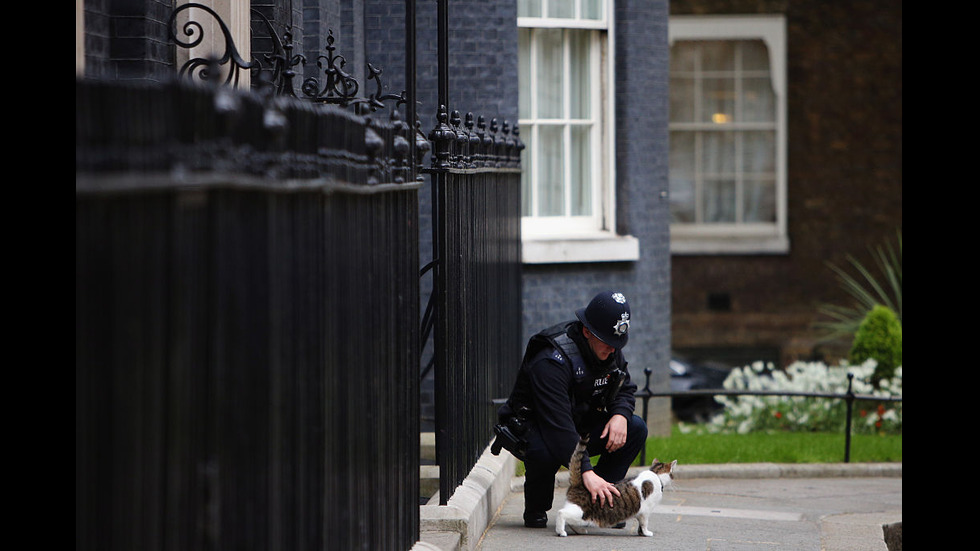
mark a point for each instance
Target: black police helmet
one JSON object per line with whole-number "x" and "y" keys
{"x": 608, "y": 318}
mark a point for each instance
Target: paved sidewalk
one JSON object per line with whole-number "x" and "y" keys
{"x": 739, "y": 507}
{"x": 838, "y": 507}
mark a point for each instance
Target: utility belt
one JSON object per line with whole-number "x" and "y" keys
{"x": 512, "y": 434}
{"x": 512, "y": 431}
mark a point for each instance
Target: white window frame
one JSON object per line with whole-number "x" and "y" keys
{"x": 741, "y": 238}
{"x": 588, "y": 238}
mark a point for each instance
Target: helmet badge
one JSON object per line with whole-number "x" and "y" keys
{"x": 618, "y": 297}
{"x": 622, "y": 325}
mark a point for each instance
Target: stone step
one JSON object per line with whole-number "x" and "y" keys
{"x": 427, "y": 440}
{"x": 428, "y": 480}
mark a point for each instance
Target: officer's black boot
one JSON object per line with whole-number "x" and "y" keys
{"x": 535, "y": 519}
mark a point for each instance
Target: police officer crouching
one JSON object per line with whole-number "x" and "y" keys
{"x": 573, "y": 381}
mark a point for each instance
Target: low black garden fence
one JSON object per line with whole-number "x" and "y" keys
{"x": 849, "y": 398}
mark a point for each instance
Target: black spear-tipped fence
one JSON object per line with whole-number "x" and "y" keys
{"x": 476, "y": 297}
{"x": 247, "y": 301}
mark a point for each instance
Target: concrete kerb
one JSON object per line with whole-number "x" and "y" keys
{"x": 759, "y": 470}
{"x": 460, "y": 523}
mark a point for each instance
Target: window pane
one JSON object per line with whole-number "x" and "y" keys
{"x": 550, "y": 68}
{"x": 591, "y": 9}
{"x": 681, "y": 201}
{"x": 718, "y": 55}
{"x": 682, "y": 155}
{"x": 683, "y": 55}
{"x": 719, "y": 201}
{"x": 759, "y": 201}
{"x": 561, "y": 8}
{"x": 718, "y": 100}
{"x": 758, "y": 101}
{"x": 524, "y": 72}
{"x": 580, "y": 77}
{"x": 551, "y": 197}
{"x": 581, "y": 171}
{"x": 755, "y": 55}
{"x": 682, "y": 100}
{"x": 528, "y": 8}
{"x": 718, "y": 152}
{"x": 759, "y": 152}
{"x": 682, "y": 177}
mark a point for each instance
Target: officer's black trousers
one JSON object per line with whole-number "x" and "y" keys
{"x": 539, "y": 476}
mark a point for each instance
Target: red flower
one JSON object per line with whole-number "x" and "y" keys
{"x": 863, "y": 413}
{"x": 779, "y": 415}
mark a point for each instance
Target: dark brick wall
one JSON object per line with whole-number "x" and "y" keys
{"x": 128, "y": 40}
{"x": 844, "y": 181}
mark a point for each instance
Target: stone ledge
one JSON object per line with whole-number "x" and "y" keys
{"x": 471, "y": 508}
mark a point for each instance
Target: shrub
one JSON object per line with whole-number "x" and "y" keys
{"x": 867, "y": 288}
{"x": 744, "y": 414}
{"x": 879, "y": 337}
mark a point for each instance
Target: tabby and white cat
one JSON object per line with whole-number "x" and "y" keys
{"x": 637, "y": 497}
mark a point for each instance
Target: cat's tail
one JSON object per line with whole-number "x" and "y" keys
{"x": 575, "y": 463}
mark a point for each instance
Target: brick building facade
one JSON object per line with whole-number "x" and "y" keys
{"x": 844, "y": 186}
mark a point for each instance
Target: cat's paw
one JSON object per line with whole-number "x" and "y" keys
{"x": 647, "y": 533}
{"x": 561, "y": 533}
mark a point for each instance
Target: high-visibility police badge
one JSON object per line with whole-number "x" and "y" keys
{"x": 622, "y": 325}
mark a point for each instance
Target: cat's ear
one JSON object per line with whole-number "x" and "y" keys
{"x": 654, "y": 463}
{"x": 673, "y": 464}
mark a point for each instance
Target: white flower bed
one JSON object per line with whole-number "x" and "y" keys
{"x": 743, "y": 414}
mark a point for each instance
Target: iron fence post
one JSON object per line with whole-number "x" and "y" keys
{"x": 849, "y": 398}
{"x": 646, "y": 399}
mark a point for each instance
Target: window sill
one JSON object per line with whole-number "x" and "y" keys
{"x": 604, "y": 247}
{"x": 734, "y": 245}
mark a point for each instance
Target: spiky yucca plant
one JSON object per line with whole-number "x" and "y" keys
{"x": 868, "y": 290}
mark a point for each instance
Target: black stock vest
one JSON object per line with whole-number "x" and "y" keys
{"x": 590, "y": 381}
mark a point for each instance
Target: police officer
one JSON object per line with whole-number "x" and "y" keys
{"x": 573, "y": 381}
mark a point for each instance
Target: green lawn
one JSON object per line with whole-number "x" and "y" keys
{"x": 780, "y": 447}
{"x": 777, "y": 447}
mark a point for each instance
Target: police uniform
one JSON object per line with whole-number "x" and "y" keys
{"x": 567, "y": 392}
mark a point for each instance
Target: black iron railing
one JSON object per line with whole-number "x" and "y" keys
{"x": 474, "y": 313}
{"x": 275, "y": 70}
{"x": 286, "y": 197}
{"x": 273, "y": 73}
{"x": 246, "y": 313}
{"x": 849, "y": 397}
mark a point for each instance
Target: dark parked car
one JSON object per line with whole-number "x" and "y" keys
{"x": 689, "y": 375}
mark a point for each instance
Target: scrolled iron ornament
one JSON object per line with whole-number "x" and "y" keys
{"x": 202, "y": 67}
{"x": 282, "y": 60}
{"x": 376, "y": 100}
{"x": 340, "y": 87}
